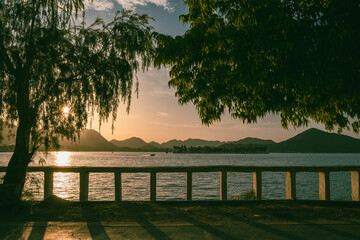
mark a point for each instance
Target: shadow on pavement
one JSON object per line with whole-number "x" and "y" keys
{"x": 154, "y": 231}
{"x": 340, "y": 233}
{"x": 11, "y": 232}
{"x": 96, "y": 229}
{"x": 38, "y": 231}
{"x": 204, "y": 226}
{"x": 261, "y": 226}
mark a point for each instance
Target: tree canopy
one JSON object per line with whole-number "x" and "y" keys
{"x": 299, "y": 59}
{"x": 50, "y": 58}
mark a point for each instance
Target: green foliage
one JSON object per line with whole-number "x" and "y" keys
{"x": 248, "y": 195}
{"x": 50, "y": 58}
{"x": 299, "y": 59}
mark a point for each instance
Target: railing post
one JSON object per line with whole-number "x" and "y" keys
{"x": 290, "y": 181}
{"x": 153, "y": 186}
{"x": 324, "y": 186}
{"x": 355, "y": 187}
{"x": 189, "y": 186}
{"x": 118, "y": 187}
{"x": 223, "y": 185}
{"x": 48, "y": 183}
{"x": 257, "y": 185}
{"x": 84, "y": 186}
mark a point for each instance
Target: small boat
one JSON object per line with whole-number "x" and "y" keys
{"x": 152, "y": 154}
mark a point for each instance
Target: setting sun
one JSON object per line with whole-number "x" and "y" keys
{"x": 66, "y": 110}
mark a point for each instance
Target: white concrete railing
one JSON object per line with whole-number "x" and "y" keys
{"x": 290, "y": 178}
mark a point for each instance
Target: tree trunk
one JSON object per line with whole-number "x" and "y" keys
{"x": 16, "y": 169}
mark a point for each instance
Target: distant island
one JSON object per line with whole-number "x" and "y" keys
{"x": 310, "y": 141}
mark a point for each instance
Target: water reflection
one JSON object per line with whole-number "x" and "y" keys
{"x": 62, "y": 159}
{"x": 66, "y": 185}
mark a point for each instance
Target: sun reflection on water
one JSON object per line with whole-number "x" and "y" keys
{"x": 62, "y": 159}
{"x": 65, "y": 184}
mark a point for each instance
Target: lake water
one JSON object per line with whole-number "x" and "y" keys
{"x": 171, "y": 186}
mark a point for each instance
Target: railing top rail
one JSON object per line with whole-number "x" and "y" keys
{"x": 217, "y": 168}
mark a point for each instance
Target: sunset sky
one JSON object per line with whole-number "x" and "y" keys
{"x": 156, "y": 114}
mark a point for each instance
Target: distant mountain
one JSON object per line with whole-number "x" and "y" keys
{"x": 90, "y": 140}
{"x": 317, "y": 141}
{"x": 309, "y": 141}
{"x": 133, "y": 142}
{"x": 201, "y": 143}
{"x": 172, "y": 143}
{"x": 247, "y": 141}
{"x": 153, "y": 145}
{"x": 250, "y": 140}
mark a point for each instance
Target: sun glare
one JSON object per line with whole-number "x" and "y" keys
{"x": 62, "y": 158}
{"x": 66, "y": 110}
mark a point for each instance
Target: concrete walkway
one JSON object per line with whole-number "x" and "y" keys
{"x": 143, "y": 229}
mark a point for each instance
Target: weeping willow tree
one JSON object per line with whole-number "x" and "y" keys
{"x": 51, "y": 59}
{"x": 298, "y": 59}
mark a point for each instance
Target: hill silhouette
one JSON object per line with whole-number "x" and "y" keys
{"x": 309, "y": 141}
{"x": 317, "y": 141}
{"x": 90, "y": 140}
{"x": 250, "y": 140}
{"x": 247, "y": 141}
{"x": 172, "y": 143}
{"x": 133, "y": 142}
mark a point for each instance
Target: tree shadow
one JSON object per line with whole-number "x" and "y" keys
{"x": 140, "y": 218}
{"x": 202, "y": 225}
{"x": 261, "y": 226}
{"x": 11, "y": 232}
{"x": 327, "y": 228}
{"x": 38, "y": 231}
{"x": 96, "y": 229}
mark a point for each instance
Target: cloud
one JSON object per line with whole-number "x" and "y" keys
{"x": 163, "y": 114}
{"x": 131, "y": 4}
{"x": 161, "y": 92}
{"x": 99, "y": 5}
{"x": 155, "y": 83}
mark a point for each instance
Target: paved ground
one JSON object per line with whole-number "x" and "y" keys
{"x": 58, "y": 219}
{"x": 180, "y": 230}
